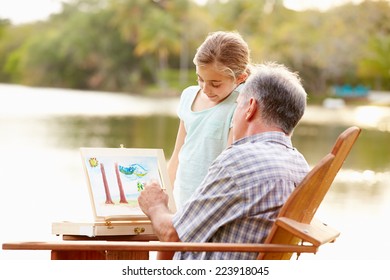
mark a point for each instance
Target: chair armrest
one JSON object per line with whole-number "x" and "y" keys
{"x": 317, "y": 233}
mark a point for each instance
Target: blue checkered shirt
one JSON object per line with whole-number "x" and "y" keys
{"x": 241, "y": 196}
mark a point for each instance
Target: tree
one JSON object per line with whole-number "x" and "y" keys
{"x": 152, "y": 28}
{"x": 375, "y": 66}
{"x": 130, "y": 45}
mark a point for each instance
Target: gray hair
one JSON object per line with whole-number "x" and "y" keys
{"x": 279, "y": 93}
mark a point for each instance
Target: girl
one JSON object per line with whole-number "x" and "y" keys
{"x": 205, "y": 111}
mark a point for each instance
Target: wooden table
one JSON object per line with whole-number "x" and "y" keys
{"x": 78, "y": 247}
{"x": 138, "y": 250}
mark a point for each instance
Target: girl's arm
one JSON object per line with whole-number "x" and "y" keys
{"x": 174, "y": 160}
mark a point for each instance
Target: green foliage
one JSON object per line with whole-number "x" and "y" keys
{"x": 3, "y": 24}
{"x": 148, "y": 45}
{"x": 374, "y": 67}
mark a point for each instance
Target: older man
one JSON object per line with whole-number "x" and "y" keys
{"x": 248, "y": 183}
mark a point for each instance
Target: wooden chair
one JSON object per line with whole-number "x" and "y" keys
{"x": 294, "y": 230}
{"x": 294, "y": 223}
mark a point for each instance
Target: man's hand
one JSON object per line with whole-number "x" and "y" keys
{"x": 153, "y": 201}
{"x": 152, "y": 198}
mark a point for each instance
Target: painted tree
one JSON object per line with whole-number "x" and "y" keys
{"x": 120, "y": 186}
{"x": 105, "y": 184}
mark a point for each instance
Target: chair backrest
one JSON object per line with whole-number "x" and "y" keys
{"x": 304, "y": 201}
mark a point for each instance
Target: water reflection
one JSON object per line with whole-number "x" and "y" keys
{"x": 370, "y": 152}
{"x": 362, "y": 176}
{"x": 366, "y": 117}
{"x": 373, "y": 117}
{"x": 156, "y": 131}
{"x": 366, "y": 171}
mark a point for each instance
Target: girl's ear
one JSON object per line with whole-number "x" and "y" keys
{"x": 242, "y": 78}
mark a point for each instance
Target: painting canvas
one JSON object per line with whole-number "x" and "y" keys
{"x": 116, "y": 176}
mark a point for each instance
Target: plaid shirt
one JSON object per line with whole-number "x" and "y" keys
{"x": 242, "y": 194}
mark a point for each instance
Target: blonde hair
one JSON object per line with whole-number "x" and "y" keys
{"x": 227, "y": 51}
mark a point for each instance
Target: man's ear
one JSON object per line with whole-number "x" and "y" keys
{"x": 252, "y": 109}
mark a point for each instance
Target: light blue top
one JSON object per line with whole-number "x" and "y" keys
{"x": 207, "y": 135}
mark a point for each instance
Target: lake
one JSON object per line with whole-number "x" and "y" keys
{"x": 42, "y": 180}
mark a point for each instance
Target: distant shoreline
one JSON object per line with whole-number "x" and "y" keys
{"x": 49, "y": 102}
{"x": 366, "y": 117}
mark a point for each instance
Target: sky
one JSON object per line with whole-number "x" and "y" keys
{"x": 23, "y": 11}
{"x": 322, "y": 5}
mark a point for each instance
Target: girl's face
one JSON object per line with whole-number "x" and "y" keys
{"x": 214, "y": 84}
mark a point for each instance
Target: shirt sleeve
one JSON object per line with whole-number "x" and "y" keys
{"x": 186, "y": 98}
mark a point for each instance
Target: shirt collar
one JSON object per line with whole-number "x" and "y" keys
{"x": 271, "y": 136}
